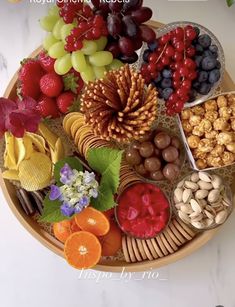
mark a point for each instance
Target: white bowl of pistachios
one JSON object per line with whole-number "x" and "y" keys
{"x": 202, "y": 200}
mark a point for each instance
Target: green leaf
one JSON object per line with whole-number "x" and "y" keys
{"x": 51, "y": 211}
{"x": 107, "y": 162}
{"x": 230, "y": 2}
{"x": 74, "y": 163}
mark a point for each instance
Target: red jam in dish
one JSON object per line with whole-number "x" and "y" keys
{"x": 143, "y": 210}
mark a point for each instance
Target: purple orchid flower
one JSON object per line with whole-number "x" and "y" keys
{"x": 84, "y": 201}
{"x": 55, "y": 192}
{"x": 66, "y": 210}
{"x": 66, "y": 174}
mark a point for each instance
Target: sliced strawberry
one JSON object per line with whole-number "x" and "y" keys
{"x": 47, "y": 63}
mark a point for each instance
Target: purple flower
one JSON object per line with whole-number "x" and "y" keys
{"x": 66, "y": 174}
{"x": 78, "y": 208}
{"x": 55, "y": 192}
{"x": 67, "y": 210}
{"x": 84, "y": 201}
{"x": 94, "y": 193}
{"x": 88, "y": 177}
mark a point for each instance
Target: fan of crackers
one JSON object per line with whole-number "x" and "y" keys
{"x": 120, "y": 107}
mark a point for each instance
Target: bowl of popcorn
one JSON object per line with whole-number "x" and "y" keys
{"x": 208, "y": 131}
{"x": 202, "y": 200}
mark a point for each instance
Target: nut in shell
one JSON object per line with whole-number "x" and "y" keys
{"x": 205, "y": 185}
{"x": 194, "y": 177}
{"x": 216, "y": 181}
{"x": 209, "y": 215}
{"x": 197, "y": 218}
{"x": 178, "y": 194}
{"x": 187, "y": 195}
{"x": 204, "y": 176}
{"x": 213, "y": 196}
{"x": 221, "y": 217}
{"x": 201, "y": 194}
{"x": 197, "y": 225}
{"x": 184, "y": 217}
{"x": 186, "y": 208}
{"x": 195, "y": 206}
{"x": 191, "y": 185}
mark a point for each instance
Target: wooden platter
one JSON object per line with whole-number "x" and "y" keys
{"x": 108, "y": 265}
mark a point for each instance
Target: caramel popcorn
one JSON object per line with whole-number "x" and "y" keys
{"x": 231, "y": 147}
{"x": 195, "y": 120}
{"x": 222, "y": 102}
{"x": 233, "y": 123}
{"x": 205, "y": 125}
{"x": 214, "y": 161}
{"x": 198, "y": 154}
{"x": 231, "y": 99}
{"x": 220, "y": 124}
{"x": 186, "y": 126}
{"x": 201, "y": 164}
{"x": 211, "y": 115}
{"x": 218, "y": 150}
{"x": 197, "y": 131}
{"x": 211, "y": 134}
{"x": 228, "y": 157}
{"x": 225, "y": 138}
{"x": 211, "y": 105}
{"x": 186, "y": 114}
{"x": 193, "y": 141}
{"x": 206, "y": 145}
{"x": 225, "y": 112}
{"x": 198, "y": 110}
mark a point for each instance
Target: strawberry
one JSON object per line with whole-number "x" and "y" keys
{"x": 65, "y": 101}
{"x": 46, "y": 61}
{"x": 73, "y": 82}
{"x": 48, "y": 107}
{"x": 29, "y": 77}
{"x": 51, "y": 84}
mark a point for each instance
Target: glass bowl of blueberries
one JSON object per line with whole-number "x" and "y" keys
{"x": 185, "y": 63}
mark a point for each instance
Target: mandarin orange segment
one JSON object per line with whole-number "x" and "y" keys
{"x": 82, "y": 250}
{"x": 73, "y": 226}
{"x": 93, "y": 221}
{"x": 112, "y": 241}
{"x": 62, "y": 230}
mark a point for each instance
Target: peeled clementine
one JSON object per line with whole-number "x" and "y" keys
{"x": 93, "y": 221}
{"x": 82, "y": 250}
{"x": 62, "y": 230}
{"x": 112, "y": 241}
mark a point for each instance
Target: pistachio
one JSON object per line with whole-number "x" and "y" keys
{"x": 209, "y": 214}
{"x": 194, "y": 177}
{"x": 194, "y": 214}
{"x": 180, "y": 184}
{"x": 205, "y": 185}
{"x": 195, "y": 206}
{"x": 202, "y": 203}
{"x": 200, "y": 194}
{"x": 187, "y": 195}
{"x": 221, "y": 217}
{"x": 209, "y": 222}
{"x": 186, "y": 208}
{"x": 178, "y": 195}
{"x": 191, "y": 185}
{"x": 204, "y": 176}
{"x": 213, "y": 196}
{"x": 184, "y": 217}
{"x": 216, "y": 181}
{"x": 197, "y": 218}
{"x": 197, "y": 225}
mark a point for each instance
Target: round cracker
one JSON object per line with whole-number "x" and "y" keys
{"x": 69, "y": 121}
{"x": 151, "y": 248}
{"x": 162, "y": 246}
{"x": 78, "y": 123}
{"x": 141, "y": 249}
{"x": 172, "y": 236}
{"x": 170, "y": 241}
{"x": 177, "y": 233}
{"x": 135, "y": 249}
{"x": 186, "y": 228}
{"x": 125, "y": 250}
{"x": 166, "y": 244}
{"x": 130, "y": 249}
{"x": 147, "y": 251}
{"x": 156, "y": 247}
{"x": 181, "y": 230}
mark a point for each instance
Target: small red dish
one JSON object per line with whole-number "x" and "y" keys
{"x": 143, "y": 210}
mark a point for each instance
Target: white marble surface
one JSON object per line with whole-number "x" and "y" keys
{"x": 31, "y": 275}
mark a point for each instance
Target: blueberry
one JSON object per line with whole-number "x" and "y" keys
{"x": 166, "y": 83}
{"x": 214, "y": 76}
{"x": 158, "y": 79}
{"x": 167, "y": 73}
{"x": 153, "y": 46}
{"x": 197, "y": 30}
{"x": 192, "y": 95}
{"x": 204, "y": 89}
{"x": 204, "y": 40}
{"x": 218, "y": 64}
{"x": 208, "y": 63}
{"x": 167, "y": 92}
{"x": 146, "y": 55}
{"x": 214, "y": 49}
{"x": 207, "y": 53}
{"x": 160, "y": 92}
{"x": 199, "y": 49}
{"x": 198, "y": 60}
{"x": 196, "y": 85}
{"x": 202, "y": 76}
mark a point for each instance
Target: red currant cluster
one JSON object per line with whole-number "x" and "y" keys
{"x": 173, "y": 54}
{"x": 90, "y": 26}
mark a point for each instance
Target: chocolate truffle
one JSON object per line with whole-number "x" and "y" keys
{"x": 162, "y": 140}
{"x": 170, "y": 154}
{"x": 146, "y": 149}
{"x": 133, "y": 157}
{"x": 152, "y": 164}
{"x": 175, "y": 142}
{"x": 158, "y": 175}
{"x": 171, "y": 171}
{"x": 140, "y": 169}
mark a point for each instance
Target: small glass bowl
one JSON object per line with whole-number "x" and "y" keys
{"x": 182, "y": 155}
{"x": 173, "y": 25}
{"x": 228, "y": 194}
{"x": 131, "y": 234}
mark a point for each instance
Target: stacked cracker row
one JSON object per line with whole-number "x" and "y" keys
{"x": 168, "y": 242}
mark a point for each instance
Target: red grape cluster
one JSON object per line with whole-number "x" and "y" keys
{"x": 173, "y": 57}
{"x": 125, "y": 27}
{"x": 90, "y": 26}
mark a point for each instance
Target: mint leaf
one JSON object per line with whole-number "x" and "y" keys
{"x": 230, "y": 2}
{"x": 74, "y": 163}
{"x": 51, "y": 211}
{"x": 107, "y": 162}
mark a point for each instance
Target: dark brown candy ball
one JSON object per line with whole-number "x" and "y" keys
{"x": 133, "y": 157}
{"x": 152, "y": 164}
{"x": 140, "y": 169}
{"x": 162, "y": 140}
{"x": 146, "y": 149}
{"x": 170, "y": 154}
{"x": 158, "y": 175}
{"x": 175, "y": 142}
{"x": 146, "y": 137}
{"x": 171, "y": 171}
{"x": 135, "y": 145}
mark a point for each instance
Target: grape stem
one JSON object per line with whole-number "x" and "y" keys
{"x": 161, "y": 53}
{"x": 80, "y": 15}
